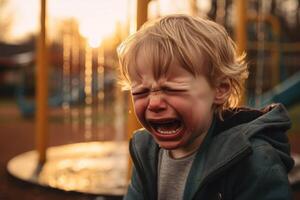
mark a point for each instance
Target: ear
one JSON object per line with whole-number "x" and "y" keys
{"x": 223, "y": 89}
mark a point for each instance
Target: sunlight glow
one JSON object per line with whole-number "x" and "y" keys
{"x": 95, "y": 29}
{"x": 178, "y": 6}
{"x": 97, "y": 18}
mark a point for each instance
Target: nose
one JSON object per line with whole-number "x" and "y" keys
{"x": 156, "y": 102}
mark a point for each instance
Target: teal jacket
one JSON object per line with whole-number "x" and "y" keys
{"x": 244, "y": 157}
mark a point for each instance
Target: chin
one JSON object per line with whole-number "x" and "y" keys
{"x": 168, "y": 145}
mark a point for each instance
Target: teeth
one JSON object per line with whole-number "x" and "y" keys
{"x": 167, "y": 132}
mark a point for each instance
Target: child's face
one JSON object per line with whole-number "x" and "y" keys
{"x": 176, "y": 108}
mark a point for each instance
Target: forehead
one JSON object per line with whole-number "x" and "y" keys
{"x": 147, "y": 72}
{"x": 152, "y": 57}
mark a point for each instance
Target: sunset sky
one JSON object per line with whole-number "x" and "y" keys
{"x": 96, "y": 18}
{"x": 92, "y": 15}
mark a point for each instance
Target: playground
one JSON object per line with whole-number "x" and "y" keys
{"x": 65, "y": 121}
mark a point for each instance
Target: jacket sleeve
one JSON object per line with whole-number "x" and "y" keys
{"x": 261, "y": 176}
{"x": 134, "y": 191}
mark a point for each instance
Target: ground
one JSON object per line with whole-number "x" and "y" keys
{"x": 17, "y": 136}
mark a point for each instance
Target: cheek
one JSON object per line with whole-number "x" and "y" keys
{"x": 193, "y": 110}
{"x": 177, "y": 101}
{"x": 140, "y": 107}
{"x": 183, "y": 104}
{"x": 184, "y": 107}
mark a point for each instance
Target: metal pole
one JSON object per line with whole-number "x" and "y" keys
{"x": 142, "y": 12}
{"x": 42, "y": 89}
{"x": 241, "y": 26}
{"x": 142, "y": 7}
{"x": 133, "y": 124}
{"x": 193, "y": 7}
{"x": 241, "y": 32}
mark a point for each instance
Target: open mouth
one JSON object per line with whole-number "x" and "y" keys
{"x": 166, "y": 127}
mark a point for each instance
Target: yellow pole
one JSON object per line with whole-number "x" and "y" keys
{"x": 142, "y": 7}
{"x": 42, "y": 89}
{"x": 241, "y": 32}
{"x": 241, "y": 26}
{"x": 133, "y": 124}
{"x": 193, "y": 7}
{"x": 142, "y": 12}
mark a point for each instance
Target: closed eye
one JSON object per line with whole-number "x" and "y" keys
{"x": 173, "y": 90}
{"x": 140, "y": 93}
{"x": 166, "y": 90}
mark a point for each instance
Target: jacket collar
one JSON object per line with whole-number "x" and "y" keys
{"x": 220, "y": 151}
{"x": 217, "y": 154}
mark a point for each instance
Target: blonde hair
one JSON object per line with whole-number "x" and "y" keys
{"x": 200, "y": 46}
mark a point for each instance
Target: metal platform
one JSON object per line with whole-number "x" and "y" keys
{"x": 98, "y": 168}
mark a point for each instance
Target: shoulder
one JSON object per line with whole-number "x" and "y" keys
{"x": 263, "y": 158}
{"x": 267, "y": 153}
{"x": 262, "y": 170}
{"x": 262, "y": 174}
{"x": 143, "y": 142}
{"x": 142, "y": 137}
{"x": 263, "y": 154}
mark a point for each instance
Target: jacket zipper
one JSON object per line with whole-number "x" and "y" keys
{"x": 215, "y": 173}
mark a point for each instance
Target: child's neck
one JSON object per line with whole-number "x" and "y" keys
{"x": 189, "y": 149}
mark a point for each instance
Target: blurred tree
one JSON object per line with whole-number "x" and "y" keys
{"x": 6, "y": 19}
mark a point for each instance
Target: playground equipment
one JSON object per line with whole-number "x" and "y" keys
{"x": 283, "y": 89}
{"x": 286, "y": 92}
{"x": 101, "y": 167}
{"x": 94, "y": 167}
